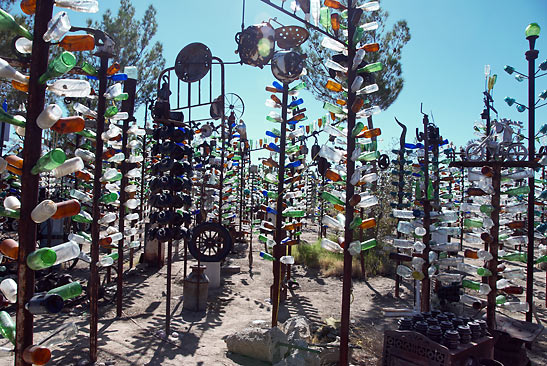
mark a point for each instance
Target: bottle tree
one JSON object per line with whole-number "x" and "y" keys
{"x": 391, "y": 41}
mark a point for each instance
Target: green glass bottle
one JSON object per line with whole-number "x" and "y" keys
{"x": 83, "y": 217}
{"x": 267, "y": 256}
{"x": 89, "y": 69}
{"x": 262, "y": 238}
{"x": 49, "y": 161}
{"x": 473, "y": 285}
{"x": 430, "y": 190}
{"x": 41, "y": 258}
{"x": 369, "y": 156}
{"x": 333, "y": 108}
{"x": 357, "y": 129}
{"x": 111, "y": 111}
{"x": 368, "y": 244}
{"x": 516, "y": 257}
{"x": 371, "y": 146}
{"x": 484, "y": 272}
{"x": 294, "y": 213}
{"x": 517, "y": 191}
{"x": 332, "y": 198}
{"x": 59, "y": 66}
{"x": 299, "y": 86}
{"x": 6, "y": 212}
{"x": 7, "y": 326}
{"x": 68, "y": 291}
{"x": 469, "y": 223}
{"x": 7, "y": 22}
{"x": 500, "y": 299}
{"x": 354, "y": 224}
{"x": 377, "y": 66}
{"x": 8, "y": 118}
{"x": 487, "y": 209}
{"x": 542, "y": 259}
{"x": 324, "y": 17}
{"x": 109, "y": 197}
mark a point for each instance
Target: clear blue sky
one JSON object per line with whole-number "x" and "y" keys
{"x": 443, "y": 64}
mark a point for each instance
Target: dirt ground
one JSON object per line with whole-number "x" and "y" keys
{"x": 136, "y": 339}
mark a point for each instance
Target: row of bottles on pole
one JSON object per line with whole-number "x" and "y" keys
{"x": 170, "y": 188}
{"x": 55, "y": 165}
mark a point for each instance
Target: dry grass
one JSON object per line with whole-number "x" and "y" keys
{"x": 332, "y": 264}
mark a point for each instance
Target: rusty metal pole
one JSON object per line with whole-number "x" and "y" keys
{"x": 278, "y": 249}
{"x": 96, "y": 212}
{"x": 531, "y": 56}
{"x": 128, "y": 105}
{"x": 494, "y": 232}
{"x": 426, "y": 282}
{"x": 29, "y": 182}
{"x": 350, "y": 191}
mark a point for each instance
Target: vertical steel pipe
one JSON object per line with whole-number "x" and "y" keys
{"x": 29, "y": 182}
{"x": 96, "y": 212}
{"x": 278, "y": 250}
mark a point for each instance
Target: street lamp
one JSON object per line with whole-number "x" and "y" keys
{"x": 532, "y": 33}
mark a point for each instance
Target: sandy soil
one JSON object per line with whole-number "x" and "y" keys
{"x": 135, "y": 339}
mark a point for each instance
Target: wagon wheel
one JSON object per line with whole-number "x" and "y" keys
{"x": 233, "y": 103}
{"x": 475, "y": 152}
{"x": 211, "y": 242}
{"x": 383, "y": 162}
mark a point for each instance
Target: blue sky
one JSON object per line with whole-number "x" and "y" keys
{"x": 443, "y": 64}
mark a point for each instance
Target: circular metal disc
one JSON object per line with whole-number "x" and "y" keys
{"x": 193, "y": 62}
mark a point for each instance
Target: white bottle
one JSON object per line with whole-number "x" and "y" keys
{"x": 49, "y": 116}
{"x": 287, "y": 259}
{"x": 83, "y": 6}
{"x": 70, "y": 166}
{"x": 9, "y": 73}
{"x": 12, "y": 203}
{"x": 9, "y": 289}
{"x": 331, "y": 246}
{"x": 57, "y": 27}
{"x": 43, "y": 211}
{"x": 108, "y": 218}
{"x": 66, "y": 251}
{"x": 74, "y": 88}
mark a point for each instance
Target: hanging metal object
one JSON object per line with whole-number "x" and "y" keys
{"x": 287, "y": 66}
{"x": 290, "y": 36}
{"x": 206, "y": 130}
{"x": 256, "y": 44}
{"x": 193, "y": 62}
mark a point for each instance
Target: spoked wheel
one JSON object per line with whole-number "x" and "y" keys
{"x": 211, "y": 242}
{"x": 475, "y": 152}
{"x": 233, "y": 103}
{"x": 108, "y": 286}
{"x": 517, "y": 152}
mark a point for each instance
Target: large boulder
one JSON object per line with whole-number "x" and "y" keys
{"x": 258, "y": 343}
{"x": 297, "y": 327}
{"x": 300, "y": 357}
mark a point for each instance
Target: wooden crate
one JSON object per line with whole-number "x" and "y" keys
{"x": 409, "y": 348}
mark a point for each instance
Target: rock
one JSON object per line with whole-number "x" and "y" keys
{"x": 257, "y": 343}
{"x": 297, "y": 327}
{"x": 300, "y": 357}
{"x": 231, "y": 269}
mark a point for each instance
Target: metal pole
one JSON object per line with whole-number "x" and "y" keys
{"x": 278, "y": 250}
{"x": 94, "y": 279}
{"x": 493, "y": 263}
{"x": 350, "y": 190}
{"x": 426, "y": 284}
{"x": 130, "y": 86}
{"x": 29, "y": 182}
{"x": 531, "y": 56}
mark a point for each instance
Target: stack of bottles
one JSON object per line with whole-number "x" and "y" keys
{"x": 171, "y": 183}
{"x": 446, "y": 328}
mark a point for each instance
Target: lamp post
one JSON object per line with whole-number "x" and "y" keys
{"x": 532, "y": 33}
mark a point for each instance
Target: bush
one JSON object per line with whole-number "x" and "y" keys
{"x": 332, "y": 264}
